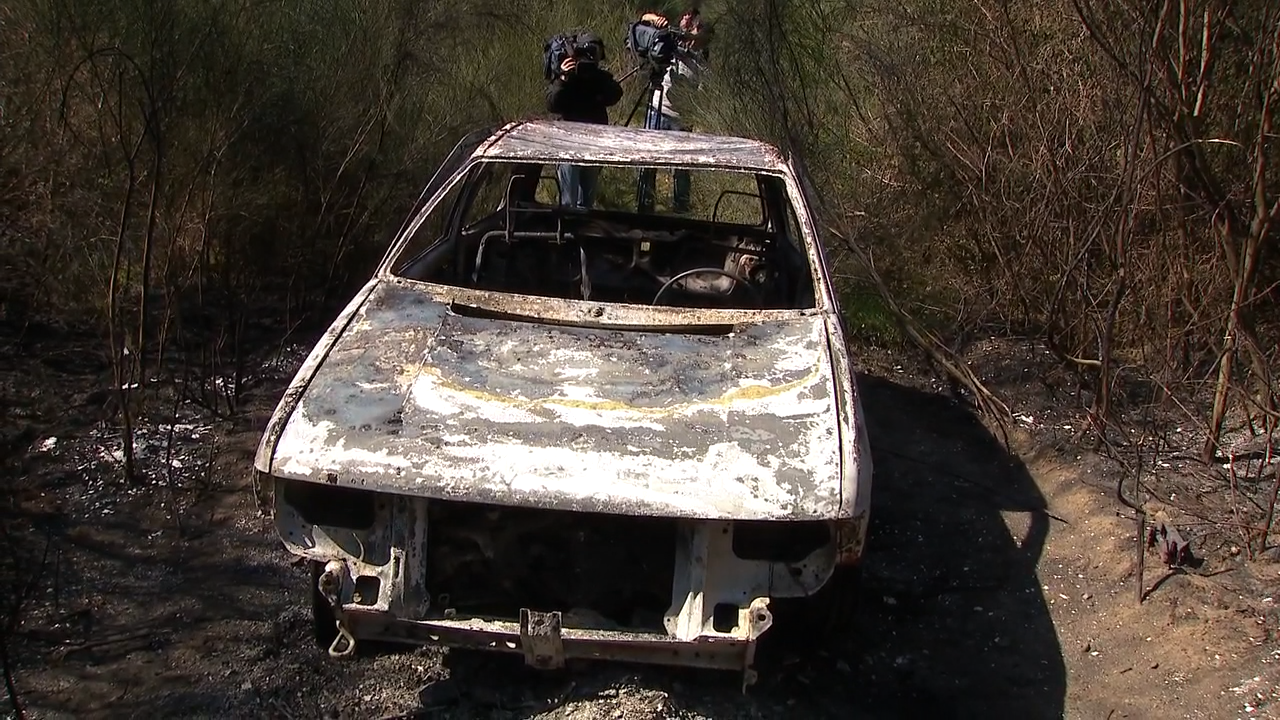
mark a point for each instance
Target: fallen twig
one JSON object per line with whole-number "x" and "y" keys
{"x": 62, "y": 653}
{"x": 281, "y": 709}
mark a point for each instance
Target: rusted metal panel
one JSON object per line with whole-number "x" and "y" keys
{"x": 851, "y": 539}
{"x": 540, "y": 638}
{"x": 302, "y": 379}
{"x": 417, "y": 399}
{"x": 560, "y": 141}
{"x": 504, "y": 636}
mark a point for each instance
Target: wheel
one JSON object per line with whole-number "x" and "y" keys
{"x": 325, "y": 627}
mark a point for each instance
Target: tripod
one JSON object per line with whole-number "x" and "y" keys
{"x": 646, "y": 186}
{"x": 646, "y": 93}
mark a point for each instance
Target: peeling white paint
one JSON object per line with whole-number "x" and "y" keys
{"x": 553, "y": 140}
{"x": 724, "y": 481}
{"x": 739, "y": 476}
{"x": 431, "y": 394}
{"x": 302, "y": 439}
{"x": 577, "y": 373}
{"x": 578, "y": 392}
{"x": 790, "y": 356}
{"x": 582, "y": 417}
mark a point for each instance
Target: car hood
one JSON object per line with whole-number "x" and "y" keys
{"x": 416, "y": 398}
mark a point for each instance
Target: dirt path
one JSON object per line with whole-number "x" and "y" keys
{"x": 177, "y": 601}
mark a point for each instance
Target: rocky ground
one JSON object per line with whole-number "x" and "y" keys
{"x": 997, "y": 584}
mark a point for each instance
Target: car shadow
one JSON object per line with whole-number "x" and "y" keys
{"x": 951, "y": 619}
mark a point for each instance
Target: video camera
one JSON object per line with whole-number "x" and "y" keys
{"x": 586, "y": 48}
{"x": 654, "y": 47}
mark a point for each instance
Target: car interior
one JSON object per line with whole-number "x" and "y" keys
{"x": 501, "y": 229}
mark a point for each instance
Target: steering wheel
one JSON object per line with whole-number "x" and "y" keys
{"x": 737, "y": 279}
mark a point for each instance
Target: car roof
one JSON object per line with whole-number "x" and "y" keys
{"x": 558, "y": 140}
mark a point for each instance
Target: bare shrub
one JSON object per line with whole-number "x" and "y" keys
{"x": 1100, "y": 176}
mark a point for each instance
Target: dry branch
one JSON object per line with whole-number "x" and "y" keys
{"x": 937, "y": 351}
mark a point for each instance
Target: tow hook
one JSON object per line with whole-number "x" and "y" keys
{"x": 759, "y": 619}
{"x": 540, "y": 639}
{"x": 330, "y": 586}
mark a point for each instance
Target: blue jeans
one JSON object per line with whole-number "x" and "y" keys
{"x": 655, "y": 120}
{"x": 577, "y": 185}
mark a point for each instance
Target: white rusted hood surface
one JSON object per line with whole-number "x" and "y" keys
{"x": 416, "y": 399}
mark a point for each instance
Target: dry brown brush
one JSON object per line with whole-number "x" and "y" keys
{"x": 199, "y": 178}
{"x": 1101, "y": 176}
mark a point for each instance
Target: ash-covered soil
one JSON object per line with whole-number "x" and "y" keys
{"x": 997, "y": 584}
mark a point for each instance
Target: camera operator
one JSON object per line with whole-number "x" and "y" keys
{"x": 661, "y": 114}
{"x": 582, "y": 91}
{"x": 697, "y": 33}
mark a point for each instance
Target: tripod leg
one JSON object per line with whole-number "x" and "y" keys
{"x": 646, "y": 184}
{"x": 656, "y": 124}
{"x": 634, "y": 108}
{"x": 647, "y": 187}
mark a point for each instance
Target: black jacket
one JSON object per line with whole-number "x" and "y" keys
{"x": 584, "y": 96}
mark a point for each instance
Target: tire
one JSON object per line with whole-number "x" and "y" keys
{"x": 324, "y": 622}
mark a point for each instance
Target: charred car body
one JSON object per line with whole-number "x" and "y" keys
{"x": 580, "y": 433}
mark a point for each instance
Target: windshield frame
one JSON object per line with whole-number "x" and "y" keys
{"x": 596, "y": 311}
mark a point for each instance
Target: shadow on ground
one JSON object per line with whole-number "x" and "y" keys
{"x": 952, "y": 620}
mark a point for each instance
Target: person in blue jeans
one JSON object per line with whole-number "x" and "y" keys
{"x": 582, "y": 91}
{"x": 661, "y": 115}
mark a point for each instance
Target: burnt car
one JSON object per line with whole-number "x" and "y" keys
{"x": 574, "y": 432}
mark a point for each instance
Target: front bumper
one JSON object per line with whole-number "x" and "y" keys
{"x": 716, "y": 597}
{"x": 545, "y": 644}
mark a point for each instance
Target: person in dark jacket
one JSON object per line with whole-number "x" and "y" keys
{"x": 582, "y": 92}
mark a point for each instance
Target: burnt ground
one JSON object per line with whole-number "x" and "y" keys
{"x": 997, "y": 584}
